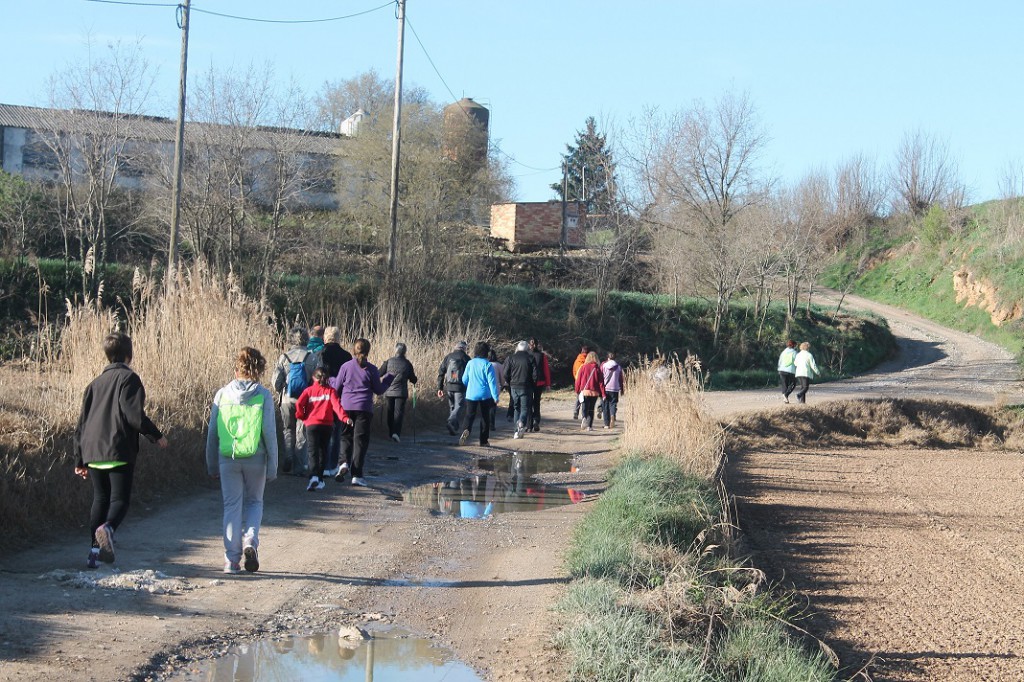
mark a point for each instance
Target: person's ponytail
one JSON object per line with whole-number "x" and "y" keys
{"x": 360, "y": 351}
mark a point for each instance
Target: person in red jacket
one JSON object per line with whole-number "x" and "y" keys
{"x": 589, "y": 386}
{"x": 317, "y": 408}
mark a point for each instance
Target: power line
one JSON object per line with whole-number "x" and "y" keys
{"x": 457, "y": 101}
{"x": 242, "y": 18}
{"x": 136, "y": 4}
{"x": 286, "y": 21}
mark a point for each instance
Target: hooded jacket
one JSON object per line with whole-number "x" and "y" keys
{"x": 612, "y": 373}
{"x": 112, "y": 417}
{"x": 577, "y": 363}
{"x": 357, "y": 384}
{"x": 402, "y": 370}
{"x": 243, "y": 392}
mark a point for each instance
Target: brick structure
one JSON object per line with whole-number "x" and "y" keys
{"x": 537, "y": 224}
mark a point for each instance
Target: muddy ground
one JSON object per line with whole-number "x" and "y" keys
{"x": 909, "y": 557}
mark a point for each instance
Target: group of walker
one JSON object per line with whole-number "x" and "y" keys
{"x": 326, "y": 408}
{"x": 796, "y": 368}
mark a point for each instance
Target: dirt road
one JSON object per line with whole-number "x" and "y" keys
{"x": 909, "y": 562}
{"x": 910, "y": 556}
{"x": 346, "y": 555}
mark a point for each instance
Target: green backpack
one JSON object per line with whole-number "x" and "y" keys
{"x": 239, "y": 427}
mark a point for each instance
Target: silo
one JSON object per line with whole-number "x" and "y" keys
{"x": 465, "y": 133}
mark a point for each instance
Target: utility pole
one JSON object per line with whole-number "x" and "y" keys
{"x": 396, "y": 143}
{"x": 179, "y": 146}
{"x": 563, "y": 236}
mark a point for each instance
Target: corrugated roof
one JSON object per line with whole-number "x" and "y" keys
{"x": 162, "y": 129}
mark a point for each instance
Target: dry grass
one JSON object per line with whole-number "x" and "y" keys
{"x": 184, "y": 346}
{"x": 665, "y": 414}
{"x": 889, "y": 422}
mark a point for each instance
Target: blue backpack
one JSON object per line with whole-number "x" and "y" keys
{"x": 297, "y": 379}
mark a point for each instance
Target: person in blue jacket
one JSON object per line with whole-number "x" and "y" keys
{"x": 481, "y": 393}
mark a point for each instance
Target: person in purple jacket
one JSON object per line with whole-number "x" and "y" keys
{"x": 613, "y": 389}
{"x": 358, "y": 381}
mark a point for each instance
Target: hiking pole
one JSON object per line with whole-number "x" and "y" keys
{"x": 413, "y": 415}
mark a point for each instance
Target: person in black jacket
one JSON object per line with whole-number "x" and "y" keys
{"x": 521, "y": 377}
{"x": 449, "y": 383}
{"x": 332, "y": 357}
{"x": 398, "y": 391}
{"x": 107, "y": 443}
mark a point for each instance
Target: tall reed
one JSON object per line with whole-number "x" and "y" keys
{"x": 665, "y": 414}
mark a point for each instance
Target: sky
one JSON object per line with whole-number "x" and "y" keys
{"x": 829, "y": 78}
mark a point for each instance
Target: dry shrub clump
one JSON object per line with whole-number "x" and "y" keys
{"x": 184, "y": 344}
{"x": 666, "y": 415}
{"x": 883, "y": 421}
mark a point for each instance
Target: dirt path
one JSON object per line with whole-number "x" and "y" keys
{"x": 347, "y": 555}
{"x": 909, "y": 562}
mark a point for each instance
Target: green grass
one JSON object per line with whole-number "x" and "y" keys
{"x": 657, "y": 522}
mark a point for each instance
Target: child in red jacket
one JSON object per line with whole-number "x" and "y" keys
{"x": 317, "y": 408}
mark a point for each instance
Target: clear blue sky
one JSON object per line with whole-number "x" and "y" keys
{"x": 830, "y": 78}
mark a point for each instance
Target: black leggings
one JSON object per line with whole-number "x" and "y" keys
{"x": 396, "y": 414}
{"x": 319, "y": 439}
{"x": 111, "y": 494}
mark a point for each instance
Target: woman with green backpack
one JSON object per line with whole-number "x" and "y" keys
{"x": 241, "y": 450}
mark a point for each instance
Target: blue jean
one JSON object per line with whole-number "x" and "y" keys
{"x": 456, "y": 408}
{"x": 610, "y": 405}
{"x": 241, "y": 484}
{"x": 521, "y": 401}
{"x": 295, "y": 452}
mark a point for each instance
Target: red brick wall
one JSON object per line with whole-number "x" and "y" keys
{"x": 535, "y": 223}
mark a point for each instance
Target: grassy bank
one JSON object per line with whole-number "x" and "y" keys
{"x": 657, "y": 591}
{"x": 632, "y": 324}
{"x": 915, "y": 271}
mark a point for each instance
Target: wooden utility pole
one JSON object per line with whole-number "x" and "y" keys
{"x": 396, "y": 143}
{"x": 179, "y": 147}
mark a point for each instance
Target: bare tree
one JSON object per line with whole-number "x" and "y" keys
{"x": 340, "y": 99}
{"x": 859, "y": 193}
{"x": 96, "y": 119}
{"x": 705, "y": 173}
{"x": 925, "y": 173}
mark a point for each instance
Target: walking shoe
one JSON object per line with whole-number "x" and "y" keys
{"x": 252, "y": 559}
{"x": 536, "y": 428}
{"x": 451, "y": 431}
{"x": 395, "y": 437}
{"x": 342, "y": 472}
{"x": 94, "y": 558}
{"x": 314, "y": 484}
{"x": 105, "y": 539}
{"x": 785, "y": 399}
{"x": 464, "y": 437}
{"x": 232, "y": 567}
{"x": 485, "y": 444}
{"x": 358, "y": 480}
{"x": 517, "y": 435}
{"x": 331, "y": 473}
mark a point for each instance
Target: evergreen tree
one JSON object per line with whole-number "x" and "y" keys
{"x": 589, "y": 172}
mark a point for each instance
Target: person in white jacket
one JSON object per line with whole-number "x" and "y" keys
{"x": 806, "y": 369}
{"x": 787, "y": 370}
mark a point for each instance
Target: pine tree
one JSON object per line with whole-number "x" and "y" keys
{"x": 589, "y": 172}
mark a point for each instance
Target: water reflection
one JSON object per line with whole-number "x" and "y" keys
{"x": 509, "y": 488}
{"x": 329, "y": 657}
{"x": 529, "y": 463}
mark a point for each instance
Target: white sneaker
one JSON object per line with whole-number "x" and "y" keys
{"x": 314, "y": 484}
{"x": 358, "y": 480}
{"x": 517, "y": 435}
{"x": 464, "y": 437}
{"x": 785, "y": 399}
{"x": 330, "y": 473}
{"x": 396, "y": 438}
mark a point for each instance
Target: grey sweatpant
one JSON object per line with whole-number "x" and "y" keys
{"x": 296, "y": 455}
{"x": 241, "y": 484}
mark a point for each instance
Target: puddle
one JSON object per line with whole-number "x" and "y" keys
{"x": 480, "y": 497}
{"x": 387, "y": 657}
{"x": 529, "y": 463}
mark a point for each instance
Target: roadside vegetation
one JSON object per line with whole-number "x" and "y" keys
{"x": 658, "y": 591}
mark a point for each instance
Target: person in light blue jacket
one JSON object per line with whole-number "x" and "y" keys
{"x": 787, "y": 370}
{"x": 481, "y": 393}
